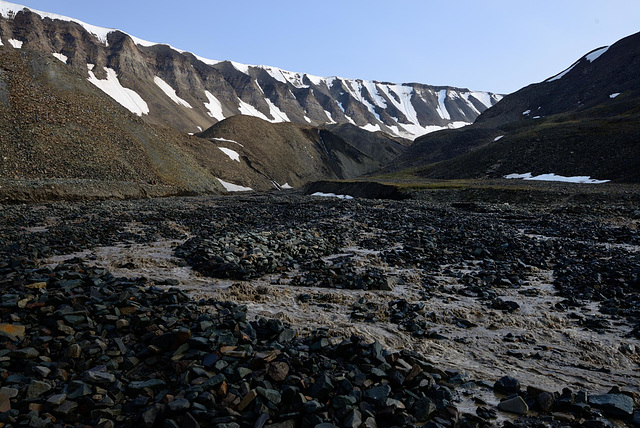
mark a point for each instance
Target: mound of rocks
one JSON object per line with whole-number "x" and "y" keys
{"x": 254, "y": 254}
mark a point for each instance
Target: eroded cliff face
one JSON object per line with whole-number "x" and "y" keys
{"x": 170, "y": 87}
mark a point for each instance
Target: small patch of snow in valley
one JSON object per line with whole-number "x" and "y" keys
{"x": 61, "y": 57}
{"x": 498, "y": 138}
{"x": 286, "y": 186}
{"x": 16, "y": 43}
{"x": 233, "y": 155}
{"x": 170, "y": 92}
{"x": 554, "y": 177}
{"x": 331, "y": 195}
{"x": 230, "y": 187}
{"x": 214, "y": 106}
{"x": 612, "y": 96}
{"x": 128, "y": 98}
{"x": 526, "y": 112}
{"x": 371, "y": 128}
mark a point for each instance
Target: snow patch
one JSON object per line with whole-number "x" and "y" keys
{"x": 214, "y": 106}
{"x": 227, "y": 141}
{"x": 249, "y": 110}
{"x": 286, "y": 186}
{"x": 170, "y": 92}
{"x": 612, "y": 96}
{"x": 128, "y": 98}
{"x": 233, "y": 155}
{"x": 332, "y": 195}
{"x": 230, "y": 187}
{"x": 498, "y": 138}
{"x": 596, "y": 54}
{"x": 278, "y": 115}
{"x": 61, "y": 57}
{"x": 371, "y": 128}
{"x": 562, "y": 74}
{"x": 526, "y": 112}
{"x": 243, "y": 68}
{"x": 16, "y": 43}
{"x": 554, "y": 177}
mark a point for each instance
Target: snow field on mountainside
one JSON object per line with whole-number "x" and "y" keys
{"x": 128, "y": 98}
{"x": 170, "y": 92}
{"x": 233, "y": 155}
{"x": 230, "y": 187}
{"x": 214, "y": 106}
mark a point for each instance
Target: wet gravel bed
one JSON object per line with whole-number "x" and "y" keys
{"x": 80, "y": 346}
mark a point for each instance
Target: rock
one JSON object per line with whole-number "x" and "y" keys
{"x": 74, "y": 351}
{"x": 57, "y": 399}
{"x": 353, "y": 419}
{"x": 272, "y": 395}
{"x": 545, "y": 401}
{"x": 5, "y": 403}
{"x": 514, "y": 405}
{"x": 378, "y": 393}
{"x": 179, "y": 405}
{"x": 9, "y": 392}
{"x": 423, "y": 409}
{"x": 150, "y": 415}
{"x": 506, "y": 385}
{"x": 613, "y": 404}
{"x": 247, "y": 400}
{"x": 25, "y": 354}
{"x": 96, "y": 377}
{"x": 67, "y": 407}
{"x": 278, "y": 371}
{"x": 37, "y": 388}
{"x": 13, "y": 331}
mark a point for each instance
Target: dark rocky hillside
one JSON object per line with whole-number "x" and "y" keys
{"x": 583, "y": 121}
{"x": 294, "y": 154}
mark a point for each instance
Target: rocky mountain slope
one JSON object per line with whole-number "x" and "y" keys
{"x": 580, "y": 122}
{"x": 290, "y": 154}
{"x": 165, "y": 85}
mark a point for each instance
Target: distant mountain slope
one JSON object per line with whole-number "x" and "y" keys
{"x": 54, "y": 124}
{"x": 167, "y": 86}
{"x": 289, "y": 154}
{"x": 583, "y": 121}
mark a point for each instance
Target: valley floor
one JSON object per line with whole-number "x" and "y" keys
{"x": 544, "y": 290}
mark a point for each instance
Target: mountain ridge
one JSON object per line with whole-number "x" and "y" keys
{"x": 583, "y": 121}
{"x": 192, "y": 93}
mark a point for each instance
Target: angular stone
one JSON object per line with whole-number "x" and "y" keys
{"x": 179, "y": 405}
{"x": 57, "y": 399}
{"x": 613, "y": 404}
{"x": 247, "y": 400}
{"x": 378, "y": 392}
{"x": 545, "y": 401}
{"x": 95, "y": 377}
{"x": 67, "y": 407}
{"x": 42, "y": 371}
{"x": 272, "y": 395}
{"x": 423, "y": 409}
{"x": 514, "y": 405}
{"x": 353, "y": 419}
{"x": 74, "y": 351}
{"x": 26, "y": 353}
{"x": 5, "y": 403}
{"x": 15, "y": 330}
{"x": 506, "y": 385}
{"x": 37, "y": 388}
{"x": 9, "y": 392}
{"x": 278, "y": 371}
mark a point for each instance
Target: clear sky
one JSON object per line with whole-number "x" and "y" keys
{"x": 491, "y": 45}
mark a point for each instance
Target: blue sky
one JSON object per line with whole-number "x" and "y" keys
{"x": 492, "y": 45}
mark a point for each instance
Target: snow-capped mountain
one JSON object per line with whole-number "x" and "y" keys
{"x": 168, "y": 86}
